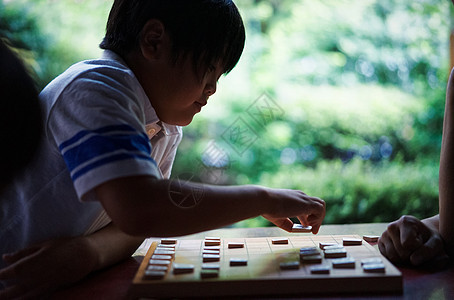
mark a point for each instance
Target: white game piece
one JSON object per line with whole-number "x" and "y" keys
{"x": 301, "y": 228}
{"x": 157, "y": 268}
{"x": 311, "y": 259}
{"x": 161, "y": 257}
{"x": 159, "y": 262}
{"x": 320, "y": 269}
{"x": 323, "y": 245}
{"x": 232, "y": 245}
{"x": 309, "y": 251}
{"x": 371, "y": 260}
{"x": 374, "y": 268}
{"x": 211, "y": 257}
{"x": 212, "y": 242}
{"x": 352, "y": 242}
{"x": 211, "y": 266}
{"x": 335, "y": 253}
{"x": 153, "y": 275}
{"x": 344, "y": 263}
{"x": 207, "y": 273}
{"x": 216, "y": 252}
{"x": 183, "y": 268}
{"x": 168, "y": 241}
{"x": 371, "y": 238}
{"x": 291, "y": 265}
{"x": 334, "y": 247}
{"x": 164, "y": 246}
{"x": 165, "y": 252}
{"x": 238, "y": 262}
{"x": 279, "y": 241}
{"x": 212, "y": 248}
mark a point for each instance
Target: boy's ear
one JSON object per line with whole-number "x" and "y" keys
{"x": 152, "y": 39}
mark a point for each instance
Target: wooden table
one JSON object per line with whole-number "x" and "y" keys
{"x": 113, "y": 283}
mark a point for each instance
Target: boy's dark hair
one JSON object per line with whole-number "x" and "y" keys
{"x": 20, "y": 122}
{"x": 208, "y": 30}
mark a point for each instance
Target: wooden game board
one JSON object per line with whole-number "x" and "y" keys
{"x": 263, "y": 274}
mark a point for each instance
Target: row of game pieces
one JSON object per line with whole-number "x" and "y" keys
{"x": 338, "y": 254}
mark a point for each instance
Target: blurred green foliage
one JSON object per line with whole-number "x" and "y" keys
{"x": 341, "y": 99}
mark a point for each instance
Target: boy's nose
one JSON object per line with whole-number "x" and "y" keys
{"x": 210, "y": 89}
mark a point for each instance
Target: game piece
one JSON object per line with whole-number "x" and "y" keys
{"x": 232, "y": 245}
{"x": 153, "y": 275}
{"x": 212, "y": 242}
{"x": 161, "y": 257}
{"x": 168, "y": 241}
{"x": 301, "y": 228}
{"x": 311, "y": 259}
{"x": 207, "y": 273}
{"x": 347, "y": 262}
{"x": 323, "y": 245}
{"x": 159, "y": 262}
{"x": 157, "y": 268}
{"x": 214, "y": 238}
{"x": 334, "y": 247}
{"x": 183, "y": 268}
{"x": 279, "y": 241}
{"x": 238, "y": 262}
{"x": 320, "y": 269}
{"x": 291, "y": 265}
{"x": 212, "y": 248}
{"x": 211, "y": 267}
{"x": 374, "y": 268}
{"x": 211, "y": 257}
{"x": 309, "y": 251}
{"x": 262, "y": 273}
{"x": 335, "y": 253}
{"x": 168, "y": 247}
{"x": 215, "y": 252}
{"x": 165, "y": 252}
{"x": 371, "y": 260}
{"x": 371, "y": 238}
{"x": 352, "y": 242}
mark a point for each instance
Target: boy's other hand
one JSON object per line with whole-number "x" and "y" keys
{"x": 292, "y": 203}
{"x": 409, "y": 241}
{"x": 41, "y": 269}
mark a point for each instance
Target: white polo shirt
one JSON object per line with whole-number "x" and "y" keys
{"x": 99, "y": 126}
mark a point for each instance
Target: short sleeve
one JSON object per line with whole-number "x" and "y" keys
{"x": 97, "y": 125}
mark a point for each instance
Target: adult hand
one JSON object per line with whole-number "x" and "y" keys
{"x": 409, "y": 241}
{"x": 292, "y": 203}
{"x": 41, "y": 269}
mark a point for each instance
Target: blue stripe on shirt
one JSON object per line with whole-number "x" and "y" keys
{"x": 113, "y": 143}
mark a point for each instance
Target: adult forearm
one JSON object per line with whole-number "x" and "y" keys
{"x": 446, "y": 181}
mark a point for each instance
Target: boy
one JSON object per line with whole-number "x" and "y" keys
{"x": 429, "y": 242}
{"x": 112, "y": 128}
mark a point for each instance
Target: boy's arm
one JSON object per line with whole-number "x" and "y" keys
{"x": 40, "y": 269}
{"x": 146, "y": 206}
{"x": 446, "y": 181}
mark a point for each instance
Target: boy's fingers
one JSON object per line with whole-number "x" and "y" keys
{"x": 11, "y": 258}
{"x": 284, "y": 223}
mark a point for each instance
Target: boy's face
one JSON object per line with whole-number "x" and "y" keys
{"x": 175, "y": 91}
{"x": 179, "y": 93}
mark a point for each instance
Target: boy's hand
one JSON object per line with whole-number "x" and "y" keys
{"x": 410, "y": 241}
{"x": 41, "y": 269}
{"x": 292, "y": 203}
